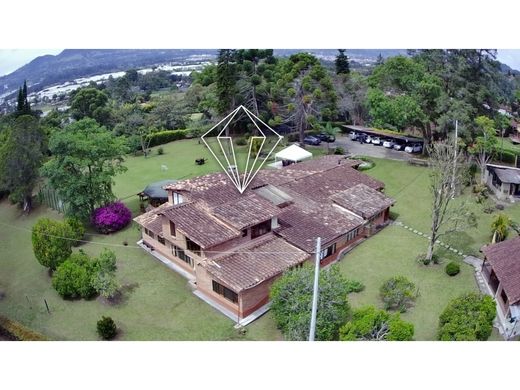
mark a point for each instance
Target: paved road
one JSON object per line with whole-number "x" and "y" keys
{"x": 356, "y": 148}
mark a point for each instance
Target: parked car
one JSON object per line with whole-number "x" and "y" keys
{"x": 311, "y": 140}
{"x": 368, "y": 139}
{"x": 399, "y": 146}
{"x": 388, "y": 143}
{"x": 361, "y": 138}
{"x": 414, "y": 148}
{"x": 376, "y": 141}
{"x": 324, "y": 137}
{"x": 353, "y": 135}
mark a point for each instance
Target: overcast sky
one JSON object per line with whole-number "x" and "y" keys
{"x": 12, "y": 59}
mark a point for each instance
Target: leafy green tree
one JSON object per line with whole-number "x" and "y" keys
{"x": 500, "y": 227}
{"x": 370, "y": 324}
{"x": 51, "y": 242}
{"x": 72, "y": 278}
{"x": 398, "y": 293}
{"x": 86, "y": 157}
{"x": 103, "y": 278}
{"x": 90, "y": 103}
{"x": 341, "y": 62}
{"x": 484, "y": 145}
{"x": 21, "y": 156}
{"x": 78, "y": 229}
{"x": 467, "y": 318}
{"x": 291, "y": 297}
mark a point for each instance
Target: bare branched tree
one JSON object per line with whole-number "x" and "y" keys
{"x": 447, "y": 216}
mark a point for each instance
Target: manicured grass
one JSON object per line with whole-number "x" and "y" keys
{"x": 392, "y": 252}
{"x": 157, "y": 304}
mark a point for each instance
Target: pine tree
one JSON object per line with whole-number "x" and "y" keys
{"x": 26, "y": 105}
{"x": 19, "y": 104}
{"x": 342, "y": 64}
{"x": 226, "y": 80}
{"x": 380, "y": 60}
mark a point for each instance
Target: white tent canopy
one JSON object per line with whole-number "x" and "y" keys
{"x": 293, "y": 153}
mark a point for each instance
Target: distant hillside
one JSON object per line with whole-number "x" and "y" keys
{"x": 73, "y": 63}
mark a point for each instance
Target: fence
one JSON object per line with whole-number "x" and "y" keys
{"x": 48, "y": 196}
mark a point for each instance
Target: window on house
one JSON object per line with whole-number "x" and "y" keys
{"x": 244, "y": 232}
{"x": 352, "y": 234}
{"x": 261, "y": 229}
{"x": 161, "y": 240}
{"x": 192, "y": 246}
{"x": 177, "y": 198}
{"x": 149, "y": 233}
{"x": 503, "y": 296}
{"x": 172, "y": 228}
{"x": 328, "y": 251}
{"x": 225, "y": 292}
{"x": 179, "y": 252}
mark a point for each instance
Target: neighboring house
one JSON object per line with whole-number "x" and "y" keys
{"x": 501, "y": 270}
{"x": 233, "y": 246}
{"x": 504, "y": 181}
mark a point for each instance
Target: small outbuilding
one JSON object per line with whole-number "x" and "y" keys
{"x": 155, "y": 193}
{"x": 292, "y": 154}
{"x": 504, "y": 181}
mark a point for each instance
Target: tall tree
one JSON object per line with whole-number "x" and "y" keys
{"x": 447, "y": 216}
{"x": 226, "y": 79}
{"x": 90, "y": 103}
{"x": 485, "y": 144}
{"x": 342, "y": 63}
{"x": 86, "y": 157}
{"x": 20, "y": 159}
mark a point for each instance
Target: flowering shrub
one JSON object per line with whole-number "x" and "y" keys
{"x": 111, "y": 218}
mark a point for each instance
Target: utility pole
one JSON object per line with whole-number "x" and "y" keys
{"x": 455, "y": 159}
{"x": 312, "y": 330}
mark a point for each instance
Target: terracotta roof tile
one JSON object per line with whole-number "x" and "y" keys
{"x": 197, "y": 223}
{"x": 255, "y": 263}
{"x": 504, "y": 257}
{"x": 362, "y": 200}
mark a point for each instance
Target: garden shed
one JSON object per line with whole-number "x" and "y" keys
{"x": 293, "y": 154}
{"x": 155, "y": 192}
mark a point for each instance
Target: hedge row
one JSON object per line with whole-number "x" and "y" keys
{"x": 15, "y": 331}
{"x": 165, "y": 136}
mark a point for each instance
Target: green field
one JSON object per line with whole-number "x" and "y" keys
{"x": 158, "y": 304}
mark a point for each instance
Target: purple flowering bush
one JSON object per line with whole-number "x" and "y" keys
{"x": 111, "y": 218}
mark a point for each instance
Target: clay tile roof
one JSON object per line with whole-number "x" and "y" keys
{"x": 504, "y": 257}
{"x": 302, "y": 225}
{"x": 151, "y": 220}
{"x": 362, "y": 200}
{"x": 321, "y": 186}
{"x": 196, "y": 222}
{"x": 247, "y": 211}
{"x": 255, "y": 263}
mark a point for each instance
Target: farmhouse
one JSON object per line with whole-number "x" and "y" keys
{"x": 501, "y": 270}
{"x": 232, "y": 246}
{"x": 504, "y": 181}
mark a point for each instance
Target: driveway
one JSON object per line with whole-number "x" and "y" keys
{"x": 358, "y": 149}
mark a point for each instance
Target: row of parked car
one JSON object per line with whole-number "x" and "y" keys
{"x": 389, "y": 143}
{"x": 318, "y": 139}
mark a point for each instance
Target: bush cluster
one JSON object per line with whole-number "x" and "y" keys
{"x": 241, "y": 141}
{"x": 398, "y": 293}
{"x": 354, "y": 286}
{"x": 452, "y": 268}
{"x": 50, "y": 246}
{"x": 80, "y": 276}
{"x": 467, "y": 318}
{"x": 111, "y": 218}
{"x": 78, "y": 229}
{"x": 165, "y": 136}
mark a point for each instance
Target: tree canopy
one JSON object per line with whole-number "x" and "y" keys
{"x": 86, "y": 157}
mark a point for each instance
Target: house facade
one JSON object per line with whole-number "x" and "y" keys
{"x": 232, "y": 246}
{"x": 501, "y": 271}
{"x": 504, "y": 181}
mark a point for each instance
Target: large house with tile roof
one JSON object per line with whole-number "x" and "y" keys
{"x": 501, "y": 270}
{"x": 232, "y": 246}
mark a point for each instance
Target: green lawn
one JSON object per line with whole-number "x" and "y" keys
{"x": 158, "y": 303}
